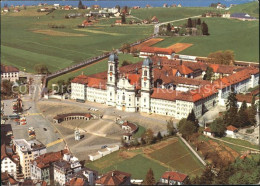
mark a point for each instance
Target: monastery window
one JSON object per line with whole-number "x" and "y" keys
{"x": 110, "y": 78}
{"x": 111, "y": 68}
{"x": 145, "y": 73}
{"x": 123, "y": 98}
{"x": 144, "y": 84}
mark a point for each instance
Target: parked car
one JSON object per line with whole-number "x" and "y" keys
{"x": 104, "y": 146}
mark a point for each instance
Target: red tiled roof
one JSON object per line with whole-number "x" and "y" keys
{"x": 119, "y": 21}
{"x": 90, "y": 81}
{"x": 81, "y": 79}
{"x": 245, "y": 97}
{"x": 131, "y": 125}
{"x": 184, "y": 69}
{"x": 45, "y": 160}
{"x": 207, "y": 129}
{"x": 114, "y": 178}
{"x": 134, "y": 78}
{"x": 231, "y": 128}
{"x": 76, "y": 182}
{"x": 165, "y": 94}
{"x": 154, "y": 19}
{"x": 176, "y": 176}
{"x": 8, "y": 69}
{"x": 157, "y": 50}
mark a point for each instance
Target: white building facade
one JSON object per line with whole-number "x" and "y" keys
{"x": 135, "y": 92}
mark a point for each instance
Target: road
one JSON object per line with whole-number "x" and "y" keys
{"x": 34, "y": 119}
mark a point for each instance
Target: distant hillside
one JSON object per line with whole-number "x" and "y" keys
{"x": 251, "y": 8}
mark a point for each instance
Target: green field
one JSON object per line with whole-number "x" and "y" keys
{"x": 241, "y": 142}
{"x": 24, "y": 48}
{"x": 225, "y": 34}
{"x": 138, "y": 163}
{"x": 137, "y": 166}
{"x": 178, "y": 156}
{"x": 170, "y": 14}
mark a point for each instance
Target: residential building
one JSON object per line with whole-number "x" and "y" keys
{"x": 162, "y": 86}
{"x": 28, "y": 151}
{"x": 9, "y": 161}
{"x": 173, "y": 178}
{"x": 9, "y": 73}
{"x": 42, "y": 167}
{"x": 65, "y": 167}
{"x": 154, "y": 20}
{"x": 115, "y": 178}
{"x": 207, "y": 132}
{"x": 85, "y": 176}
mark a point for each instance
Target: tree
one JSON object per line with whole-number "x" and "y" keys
{"x": 191, "y": 117}
{"x": 118, "y": 8}
{"x": 169, "y": 27}
{"x": 123, "y": 18}
{"x": 222, "y": 57}
{"x": 159, "y": 136}
{"x": 207, "y": 176}
{"x": 126, "y": 48}
{"x": 80, "y": 5}
{"x": 186, "y": 128}
{"x": 198, "y": 21}
{"x": 189, "y": 23}
{"x": 149, "y": 179}
{"x": 205, "y": 30}
{"x": 218, "y": 127}
{"x": 41, "y": 69}
{"x": 148, "y": 136}
{"x": 170, "y": 128}
{"x": 125, "y": 63}
{"x": 6, "y": 87}
{"x": 209, "y": 74}
{"x": 230, "y": 116}
{"x": 243, "y": 118}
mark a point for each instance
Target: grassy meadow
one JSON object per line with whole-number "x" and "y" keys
{"x": 167, "y": 155}
{"x": 32, "y": 41}
{"x": 225, "y": 34}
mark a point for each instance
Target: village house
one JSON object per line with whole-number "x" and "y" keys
{"x": 42, "y": 167}
{"x": 17, "y": 10}
{"x": 226, "y": 15}
{"x": 6, "y": 9}
{"x": 9, "y": 73}
{"x": 84, "y": 176}
{"x": 179, "y": 5}
{"x": 9, "y": 161}
{"x": 65, "y": 167}
{"x": 207, "y": 132}
{"x": 165, "y": 5}
{"x": 134, "y": 88}
{"x": 173, "y": 178}
{"x": 136, "y": 7}
{"x": 154, "y": 20}
{"x": 114, "y": 178}
{"x": 231, "y": 131}
{"x": 28, "y": 151}
{"x": 67, "y": 7}
{"x": 95, "y": 7}
{"x": 118, "y": 22}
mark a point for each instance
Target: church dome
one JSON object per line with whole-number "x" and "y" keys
{"x": 147, "y": 62}
{"x": 113, "y": 57}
